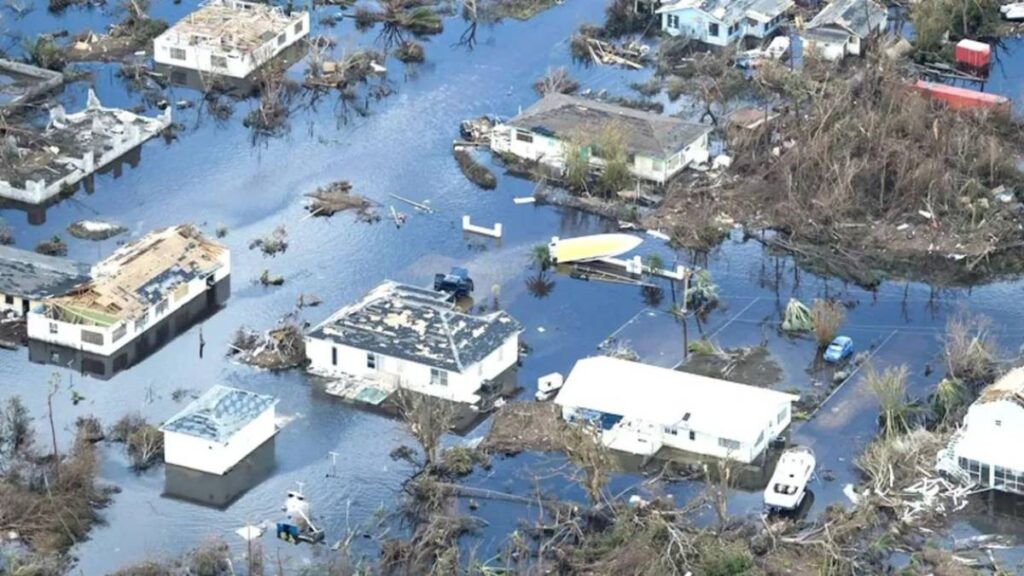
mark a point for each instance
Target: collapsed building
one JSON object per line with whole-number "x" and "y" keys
{"x": 230, "y": 37}
{"x": 35, "y": 168}
{"x": 139, "y": 297}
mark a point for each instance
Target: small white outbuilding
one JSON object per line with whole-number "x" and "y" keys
{"x": 641, "y": 408}
{"x": 219, "y": 429}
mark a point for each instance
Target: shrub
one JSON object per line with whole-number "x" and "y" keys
{"x": 827, "y": 316}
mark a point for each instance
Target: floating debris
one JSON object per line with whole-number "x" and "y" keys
{"x": 476, "y": 172}
{"x": 275, "y": 349}
{"x": 95, "y": 229}
{"x": 337, "y": 197}
{"x": 53, "y": 247}
{"x": 272, "y": 244}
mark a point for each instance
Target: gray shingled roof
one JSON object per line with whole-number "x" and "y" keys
{"x": 858, "y": 17}
{"x": 559, "y": 115}
{"x": 25, "y": 274}
{"x": 418, "y": 325}
{"x": 731, "y": 11}
{"x": 219, "y": 413}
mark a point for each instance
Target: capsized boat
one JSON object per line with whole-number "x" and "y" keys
{"x": 786, "y": 489}
{"x": 584, "y": 248}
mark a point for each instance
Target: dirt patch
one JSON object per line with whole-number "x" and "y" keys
{"x": 525, "y": 426}
{"x": 753, "y": 366}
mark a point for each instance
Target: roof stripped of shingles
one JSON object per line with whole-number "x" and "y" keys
{"x": 29, "y": 275}
{"x": 859, "y": 17}
{"x": 560, "y": 116}
{"x": 139, "y": 275}
{"x": 419, "y": 325}
{"x": 219, "y": 413}
{"x": 230, "y": 25}
{"x": 1009, "y": 387}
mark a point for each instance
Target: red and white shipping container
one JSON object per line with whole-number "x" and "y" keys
{"x": 973, "y": 54}
{"x": 962, "y": 98}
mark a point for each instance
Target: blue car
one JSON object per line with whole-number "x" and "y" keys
{"x": 840, "y": 349}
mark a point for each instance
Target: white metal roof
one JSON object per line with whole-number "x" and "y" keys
{"x": 665, "y": 397}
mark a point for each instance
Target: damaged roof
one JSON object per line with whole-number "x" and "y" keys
{"x": 858, "y": 17}
{"x": 1008, "y": 387}
{"x": 139, "y": 275}
{"x": 732, "y": 10}
{"x": 419, "y": 325}
{"x": 26, "y": 274}
{"x": 219, "y": 413}
{"x": 231, "y": 26}
{"x": 559, "y": 115}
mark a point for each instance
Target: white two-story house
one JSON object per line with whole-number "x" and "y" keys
{"x": 402, "y": 336}
{"x": 722, "y": 23}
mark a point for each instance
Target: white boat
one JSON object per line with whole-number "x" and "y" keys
{"x": 786, "y": 489}
{"x": 1013, "y": 11}
{"x": 586, "y": 248}
{"x": 548, "y": 386}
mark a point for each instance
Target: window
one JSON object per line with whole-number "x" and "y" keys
{"x": 671, "y": 430}
{"x": 631, "y": 159}
{"x": 218, "y": 61}
{"x": 334, "y": 356}
{"x": 177, "y": 53}
{"x": 9, "y": 299}
{"x": 522, "y": 136}
{"x": 713, "y": 29}
{"x": 298, "y": 27}
{"x": 119, "y": 333}
{"x": 693, "y": 435}
{"x": 760, "y": 438}
{"x": 728, "y": 444}
{"x": 53, "y": 327}
{"x": 282, "y": 38}
{"x": 438, "y": 377}
{"x": 782, "y": 414}
{"x": 371, "y": 360}
{"x": 161, "y": 307}
{"x": 999, "y": 422}
{"x": 90, "y": 337}
{"x": 141, "y": 322}
{"x": 673, "y": 21}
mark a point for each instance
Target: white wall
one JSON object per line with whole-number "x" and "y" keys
{"x": 213, "y": 457}
{"x": 70, "y": 335}
{"x": 17, "y": 305}
{"x": 461, "y": 387}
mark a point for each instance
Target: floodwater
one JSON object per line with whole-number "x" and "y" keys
{"x": 215, "y": 173}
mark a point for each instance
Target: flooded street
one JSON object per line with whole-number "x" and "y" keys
{"x": 214, "y": 173}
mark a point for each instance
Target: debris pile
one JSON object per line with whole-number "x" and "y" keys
{"x": 272, "y": 244}
{"x": 556, "y": 81}
{"x": 476, "y": 173}
{"x": 354, "y": 67}
{"x": 55, "y": 246}
{"x": 337, "y": 197}
{"x": 279, "y": 348}
{"x": 587, "y": 47}
{"x": 477, "y": 130}
{"x": 519, "y": 426}
{"x": 95, "y": 229}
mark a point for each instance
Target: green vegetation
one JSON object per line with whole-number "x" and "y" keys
{"x": 45, "y": 53}
{"x": 933, "y": 19}
{"x": 890, "y": 388}
{"x": 610, "y": 146}
{"x": 826, "y": 316}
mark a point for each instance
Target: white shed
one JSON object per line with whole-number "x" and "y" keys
{"x": 219, "y": 429}
{"x": 641, "y": 408}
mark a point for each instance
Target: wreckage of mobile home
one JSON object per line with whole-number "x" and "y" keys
{"x": 143, "y": 294}
{"x": 659, "y": 146}
{"x": 402, "y": 336}
{"x": 230, "y": 37}
{"x": 640, "y": 409}
{"x": 219, "y": 429}
{"x": 26, "y": 278}
{"x": 36, "y": 168}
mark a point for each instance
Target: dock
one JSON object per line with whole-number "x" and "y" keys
{"x": 467, "y": 226}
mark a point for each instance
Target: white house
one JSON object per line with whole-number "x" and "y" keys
{"x": 723, "y": 23}
{"x": 90, "y": 140}
{"x": 402, "y": 336}
{"x": 132, "y": 290}
{"x": 230, "y": 37}
{"x": 985, "y": 450}
{"x": 658, "y": 146}
{"x": 219, "y": 429}
{"x": 842, "y": 27}
{"x": 641, "y": 408}
{"x": 27, "y": 277}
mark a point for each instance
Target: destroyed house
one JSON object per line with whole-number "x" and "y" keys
{"x": 20, "y": 83}
{"x": 723, "y": 23}
{"x": 402, "y": 336}
{"x": 658, "y": 146}
{"x": 640, "y": 409}
{"x": 219, "y": 429}
{"x": 230, "y": 37}
{"x": 842, "y": 27}
{"x": 35, "y": 168}
{"x": 27, "y": 277}
{"x": 138, "y": 287}
{"x": 984, "y": 451}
